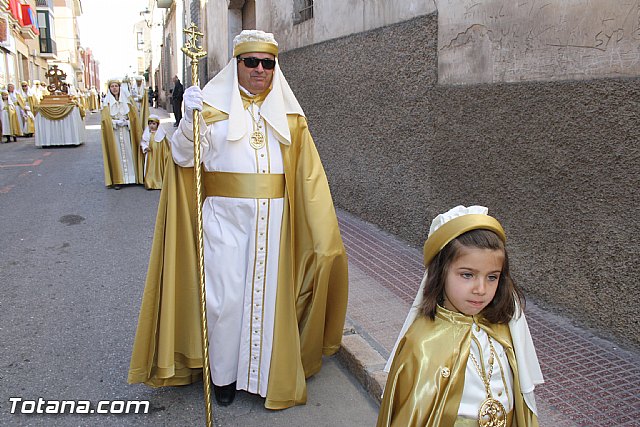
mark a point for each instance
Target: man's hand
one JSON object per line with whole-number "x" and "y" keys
{"x": 192, "y": 101}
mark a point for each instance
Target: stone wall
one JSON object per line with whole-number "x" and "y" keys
{"x": 558, "y": 163}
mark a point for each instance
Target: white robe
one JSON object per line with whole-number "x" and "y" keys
{"x": 14, "y": 98}
{"x": 119, "y": 111}
{"x": 4, "y": 118}
{"x": 137, "y": 92}
{"x": 241, "y": 250}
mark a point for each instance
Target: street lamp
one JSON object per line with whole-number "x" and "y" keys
{"x": 148, "y": 18}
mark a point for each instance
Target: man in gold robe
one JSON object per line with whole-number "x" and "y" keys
{"x": 141, "y": 97}
{"x": 27, "y": 93}
{"x": 275, "y": 266}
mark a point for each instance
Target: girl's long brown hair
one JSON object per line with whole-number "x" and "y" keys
{"x": 503, "y": 306}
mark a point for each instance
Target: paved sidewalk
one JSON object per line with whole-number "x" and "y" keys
{"x": 589, "y": 381}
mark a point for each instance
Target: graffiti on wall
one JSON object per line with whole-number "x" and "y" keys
{"x": 520, "y": 40}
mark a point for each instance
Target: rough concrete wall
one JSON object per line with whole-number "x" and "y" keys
{"x": 556, "y": 162}
{"x": 217, "y": 36}
{"x": 510, "y": 41}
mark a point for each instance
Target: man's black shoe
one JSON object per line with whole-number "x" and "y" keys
{"x": 225, "y": 393}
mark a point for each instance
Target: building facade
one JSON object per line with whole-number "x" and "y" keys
{"x": 19, "y": 38}
{"x": 68, "y": 55}
{"x": 91, "y": 77}
{"x": 35, "y": 34}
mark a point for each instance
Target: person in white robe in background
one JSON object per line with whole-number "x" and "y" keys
{"x": 120, "y": 144}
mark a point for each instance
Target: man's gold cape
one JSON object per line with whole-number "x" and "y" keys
{"x": 420, "y": 392}
{"x": 311, "y": 299}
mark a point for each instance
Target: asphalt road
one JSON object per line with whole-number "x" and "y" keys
{"x": 73, "y": 260}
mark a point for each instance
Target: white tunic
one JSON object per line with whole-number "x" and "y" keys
{"x": 137, "y": 92}
{"x": 241, "y": 250}
{"x": 5, "y": 119}
{"x": 474, "y": 391}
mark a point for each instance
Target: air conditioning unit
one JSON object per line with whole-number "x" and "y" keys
{"x": 164, "y": 4}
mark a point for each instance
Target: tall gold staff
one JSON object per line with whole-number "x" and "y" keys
{"x": 195, "y": 52}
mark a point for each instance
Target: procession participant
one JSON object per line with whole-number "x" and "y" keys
{"x": 464, "y": 356}
{"x": 141, "y": 98}
{"x": 128, "y": 86}
{"x": 10, "y": 125}
{"x": 94, "y": 100}
{"x": 155, "y": 148}
{"x": 29, "y": 122}
{"x": 275, "y": 266}
{"x": 37, "y": 91}
{"x": 120, "y": 138}
{"x": 43, "y": 90}
{"x": 19, "y": 102}
{"x": 27, "y": 93}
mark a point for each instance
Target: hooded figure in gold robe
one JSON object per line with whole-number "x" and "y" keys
{"x": 121, "y": 133}
{"x": 438, "y": 373}
{"x": 155, "y": 148}
{"x": 9, "y": 117}
{"x": 275, "y": 266}
{"x": 140, "y": 95}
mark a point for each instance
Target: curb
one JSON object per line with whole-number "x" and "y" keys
{"x": 363, "y": 362}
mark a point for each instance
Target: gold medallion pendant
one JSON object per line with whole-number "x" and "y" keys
{"x": 256, "y": 140}
{"x": 492, "y": 414}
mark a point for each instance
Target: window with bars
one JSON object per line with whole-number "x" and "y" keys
{"x": 302, "y": 10}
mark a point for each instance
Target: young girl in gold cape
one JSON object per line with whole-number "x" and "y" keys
{"x": 155, "y": 148}
{"x": 465, "y": 356}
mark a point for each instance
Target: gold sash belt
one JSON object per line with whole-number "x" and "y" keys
{"x": 470, "y": 422}
{"x": 244, "y": 185}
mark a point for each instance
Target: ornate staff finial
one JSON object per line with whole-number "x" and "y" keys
{"x": 193, "y": 50}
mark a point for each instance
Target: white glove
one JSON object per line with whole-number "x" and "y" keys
{"x": 192, "y": 99}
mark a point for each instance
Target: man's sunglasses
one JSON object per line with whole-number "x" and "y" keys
{"x": 252, "y": 62}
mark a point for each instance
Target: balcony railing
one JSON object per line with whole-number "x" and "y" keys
{"x": 45, "y": 3}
